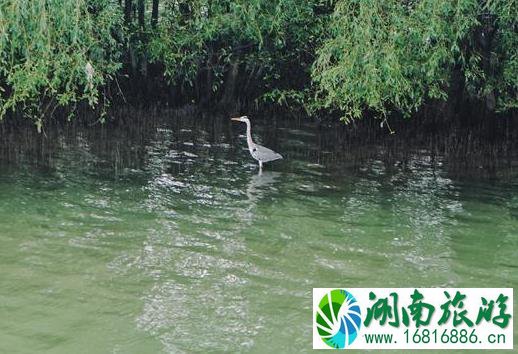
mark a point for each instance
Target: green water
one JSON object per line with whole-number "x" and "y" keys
{"x": 166, "y": 239}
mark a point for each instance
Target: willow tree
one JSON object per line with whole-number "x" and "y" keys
{"x": 56, "y": 53}
{"x": 217, "y": 47}
{"x": 393, "y": 55}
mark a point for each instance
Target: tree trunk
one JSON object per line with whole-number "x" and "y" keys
{"x": 230, "y": 83}
{"x": 207, "y": 97}
{"x": 154, "y": 13}
{"x": 141, "y": 14}
{"x": 128, "y": 4}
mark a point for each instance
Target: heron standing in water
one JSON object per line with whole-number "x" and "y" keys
{"x": 258, "y": 152}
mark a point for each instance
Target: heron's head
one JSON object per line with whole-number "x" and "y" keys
{"x": 243, "y": 119}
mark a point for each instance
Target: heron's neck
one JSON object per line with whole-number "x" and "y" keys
{"x": 249, "y": 134}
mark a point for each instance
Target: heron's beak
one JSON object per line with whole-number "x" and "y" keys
{"x": 238, "y": 119}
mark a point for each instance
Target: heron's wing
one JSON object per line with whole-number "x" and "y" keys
{"x": 264, "y": 154}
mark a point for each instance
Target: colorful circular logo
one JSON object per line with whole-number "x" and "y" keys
{"x": 338, "y": 318}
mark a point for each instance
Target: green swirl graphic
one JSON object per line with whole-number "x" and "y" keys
{"x": 338, "y": 318}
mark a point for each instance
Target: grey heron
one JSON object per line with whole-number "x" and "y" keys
{"x": 258, "y": 152}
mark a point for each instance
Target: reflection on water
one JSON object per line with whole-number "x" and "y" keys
{"x": 166, "y": 237}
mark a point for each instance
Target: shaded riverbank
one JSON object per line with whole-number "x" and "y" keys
{"x": 470, "y": 147}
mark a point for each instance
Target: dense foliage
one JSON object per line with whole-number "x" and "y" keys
{"x": 260, "y": 46}
{"x": 56, "y": 52}
{"x": 350, "y": 56}
{"x": 394, "y": 54}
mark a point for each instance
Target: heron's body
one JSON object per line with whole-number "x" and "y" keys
{"x": 258, "y": 152}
